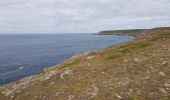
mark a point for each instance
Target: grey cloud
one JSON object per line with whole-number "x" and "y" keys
{"x": 62, "y": 16}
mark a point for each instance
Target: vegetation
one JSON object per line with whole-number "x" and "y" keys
{"x": 132, "y": 32}
{"x": 134, "y": 70}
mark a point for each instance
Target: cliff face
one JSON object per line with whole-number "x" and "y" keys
{"x": 134, "y": 70}
{"x": 133, "y": 32}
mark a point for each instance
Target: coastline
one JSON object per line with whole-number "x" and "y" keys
{"x": 70, "y": 72}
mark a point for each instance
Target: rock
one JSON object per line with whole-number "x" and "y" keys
{"x": 123, "y": 82}
{"x": 58, "y": 93}
{"x": 9, "y": 91}
{"x": 91, "y": 92}
{"x": 162, "y": 74}
{"x": 89, "y": 64}
{"x": 11, "y": 97}
{"x": 125, "y": 60}
{"x": 164, "y": 63}
{"x": 62, "y": 76}
{"x": 22, "y": 84}
{"x": 136, "y": 60}
{"x": 35, "y": 96}
{"x": 130, "y": 91}
{"x": 147, "y": 77}
{"x": 68, "y": 72}
{"x": 167, "y": 85}
{"x": 70, "y": 97}
{"x": 51, "y": 83}
{"x": 162, "y": 90}
{"x": 90, "y": 57}
{"x": 65, "y": 73}
{"x": 140, "y": 58}
{"x": 48, "y": 76}
{"x": 77, "y": 55}
{"x": 142, "y": 53}
{"x": 95, "y": 90}
{"x": 118, "y": 96}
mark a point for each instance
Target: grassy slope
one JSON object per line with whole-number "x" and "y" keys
{"x": 135, "y": 70}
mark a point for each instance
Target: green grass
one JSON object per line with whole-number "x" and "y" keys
{"x": 127, "y": 49}
{"x": 70, "y": 63}
{"x": 114, "y": 56}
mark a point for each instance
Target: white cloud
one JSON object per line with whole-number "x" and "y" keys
{"x": 81, "y": 15}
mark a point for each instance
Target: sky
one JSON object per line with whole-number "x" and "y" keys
{"x": 81, "y": 16}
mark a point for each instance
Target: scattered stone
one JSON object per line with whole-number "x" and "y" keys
{"x": 142, "y": 53}
{"x": 9, "y": 91}
{"x": 68, "y": 72}
{"x": 89, "y": 64}
{"x": 123, "y": 82}
{"x": 130, "y": 91}
{"x": 167, "y": 85}
{"x": 70, "y": 97}
{"x": 90, "y": 57}
{"x": 95, "y": 90}
{"x": 162, "y": 74}
{"x": 164, "y": 63}
{"x": 118, "y": 96}
{"x": 65, "y": 73}
{"x": 48, "y": 76}
{"x": 139, "y": 59}
{"x": 77, "y": 55}
{"x": 35, "y": 96}
{"x": 162, "y": 90}
{"x": 136, "y": 60}
{"x": 147, "y": 77}
{"x": 125, "y": 60}
{"x": 62, "y": 76}
{"x": 22, "y": 84}
{"x": 11, "y": 97}
{"x": 58, "y": 93}
{"x": 51, "y": 83}
{"x": 91, "y": 92}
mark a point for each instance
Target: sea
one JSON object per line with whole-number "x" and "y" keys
{"x": 23, "y": 55}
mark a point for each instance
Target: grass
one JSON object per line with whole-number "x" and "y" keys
{"x": 108, "y": 72}
{"x": 128, "y": 48}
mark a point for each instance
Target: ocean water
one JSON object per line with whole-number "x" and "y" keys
{"x": 24, "y": 55}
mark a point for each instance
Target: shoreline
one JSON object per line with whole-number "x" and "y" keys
{"x": 89, "y": 70}
{"x": 54, "y": 50}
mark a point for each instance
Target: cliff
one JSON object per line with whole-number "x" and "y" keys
{"x": 134, "y": 70}
{"x": 130, "y": 32}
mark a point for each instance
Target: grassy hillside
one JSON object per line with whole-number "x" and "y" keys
{"x": 134, "y": 70}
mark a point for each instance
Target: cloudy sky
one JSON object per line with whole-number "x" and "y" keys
{"x": 81, "y": 16}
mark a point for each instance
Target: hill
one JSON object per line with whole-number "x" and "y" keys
{"x": 130, "y": 32}
{"x": 134, "y": 70}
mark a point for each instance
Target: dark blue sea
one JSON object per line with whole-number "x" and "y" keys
{"x": 27, "y": 54}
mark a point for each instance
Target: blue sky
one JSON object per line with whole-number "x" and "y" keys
{"x": 81, "y": 16}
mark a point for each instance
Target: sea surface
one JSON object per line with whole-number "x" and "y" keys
{"x": 27, "y": 54}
